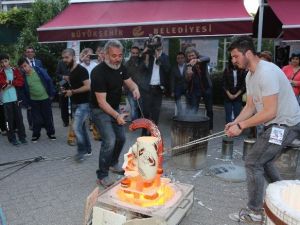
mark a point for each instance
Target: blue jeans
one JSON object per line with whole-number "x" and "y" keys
{"x": 82, "y": 112}
{"x": 134, "y": 110}
{"x": 234, "y": 107}
{"x": 113, "y": 140}
{"x": 259, "y": 164}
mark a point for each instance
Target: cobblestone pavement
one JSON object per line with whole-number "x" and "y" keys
{"x": 53, "y": 192}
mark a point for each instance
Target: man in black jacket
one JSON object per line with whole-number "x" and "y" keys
{"x": 178, "y": 81}
{"x": 153, "y": 85}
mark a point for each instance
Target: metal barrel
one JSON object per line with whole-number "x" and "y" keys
{"x": 227, "y": 148}
{"x": 183, "y": 130}
{"x": 248, "y": 144}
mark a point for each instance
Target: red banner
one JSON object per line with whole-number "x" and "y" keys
{"x": 166, "y": 30}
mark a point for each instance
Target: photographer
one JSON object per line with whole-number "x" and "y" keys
{"x": 153, "y": 85}
{"x": 199, "y": 83}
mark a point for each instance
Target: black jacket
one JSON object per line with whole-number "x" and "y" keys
{"x": 164, "y": 69}
{"x": 228, "y": 83}
{"x": 178, "y": 79}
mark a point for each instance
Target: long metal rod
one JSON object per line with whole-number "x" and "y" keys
{"x": 140, "y": 108}
{"x": 198, "y": 141}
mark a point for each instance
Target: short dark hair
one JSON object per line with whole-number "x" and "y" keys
{"x": 4, "y": 56}
{"x": 22, "y": 60}
{"x": 30, "y": 47}
{"x": 242, "y": 44}
{"x": 135, "y": 47}
{"x": 180, "y": 53}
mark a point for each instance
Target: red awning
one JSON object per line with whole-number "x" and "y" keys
{"x": 288, "y": 12}
{"x": 136, "y": 19}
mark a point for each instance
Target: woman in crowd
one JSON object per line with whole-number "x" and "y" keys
{"x": 292, "y": 71}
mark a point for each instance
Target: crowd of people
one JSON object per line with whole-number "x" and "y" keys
{"x": 91, "y": 91}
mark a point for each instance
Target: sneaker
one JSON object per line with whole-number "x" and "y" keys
{"x": 52, "y": 137}
{"x": 106, "y": 182}
{"x": 35, "y": 139}
{"x": 88, "y": 154}
{"x": 79, "y": 158}
{"x": 117, "y": 170}
{"x": 23, "y": 141}
{"x": 4, "y": 133}
{"x": 248, "y": 216}
{"x": 15, "y": 143}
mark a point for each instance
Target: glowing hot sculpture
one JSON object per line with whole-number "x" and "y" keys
{"x": 143, "y": 184}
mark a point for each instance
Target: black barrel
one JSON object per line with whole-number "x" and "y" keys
{"x": 183, "y": 130}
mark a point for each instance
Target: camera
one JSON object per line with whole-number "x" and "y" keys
{"x": 153, "y": 43}
{"x": 64, "y": 85}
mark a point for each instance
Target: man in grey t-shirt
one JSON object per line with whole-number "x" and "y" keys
{"x": 270, "y": 101}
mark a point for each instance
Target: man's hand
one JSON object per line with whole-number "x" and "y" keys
{"x": 228, "y": 125}
{"x": 194, "y": 61}
{"x": 136, "y": 93}
{"x": 233, "y": 130}
{"x": 121, "y": 118}
{"x": 68, "y": 93}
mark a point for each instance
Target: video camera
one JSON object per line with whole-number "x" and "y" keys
{"x": 153, "y": 43}
{"x": 64, "y": 85}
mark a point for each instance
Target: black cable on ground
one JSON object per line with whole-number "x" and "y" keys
{"x": 26, "y": 162}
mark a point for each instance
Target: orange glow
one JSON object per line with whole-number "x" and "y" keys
{"x": 163, "y": 194}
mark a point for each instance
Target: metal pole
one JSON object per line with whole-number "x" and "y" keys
{"x": 260, "y": 25}
{"x": 224, "y": 53}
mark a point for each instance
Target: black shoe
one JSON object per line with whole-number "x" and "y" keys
{"x": 34, "y": 139}
{"x": 15, "y": 143}
{"x": 66, "y": 124}
{"x": 23, "y": 141}
{"x": 52, "y": 137}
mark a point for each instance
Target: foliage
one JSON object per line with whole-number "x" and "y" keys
{"x": 15, "y": 18}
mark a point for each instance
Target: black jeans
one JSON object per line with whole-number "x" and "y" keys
{"x": 2, "y": 119}
{"x": 42, "y": 116}
{"x": 14, "y": 119}
{"x": 63, "y": 104}
{"x": 151, "y": 101}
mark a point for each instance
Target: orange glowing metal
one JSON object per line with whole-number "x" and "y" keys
{"x": 137, "y": 188}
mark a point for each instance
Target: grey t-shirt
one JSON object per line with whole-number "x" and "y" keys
{"x": 268, "y": 79}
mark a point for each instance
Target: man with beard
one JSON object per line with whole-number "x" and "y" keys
{"x": 270, "y": 101}
{"x": 107, "y": 80}
{"x": 135, "y": 69}
{"x": 79, "y": 93}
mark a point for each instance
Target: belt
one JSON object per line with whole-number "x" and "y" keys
{"x": 274, "y": 124}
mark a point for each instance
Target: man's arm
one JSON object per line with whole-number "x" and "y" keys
{"x": 132, "y": 86}
{"x": 268, "y": 113}
{"x": 103, "y": 104}
{"x": 85, "y": 88}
